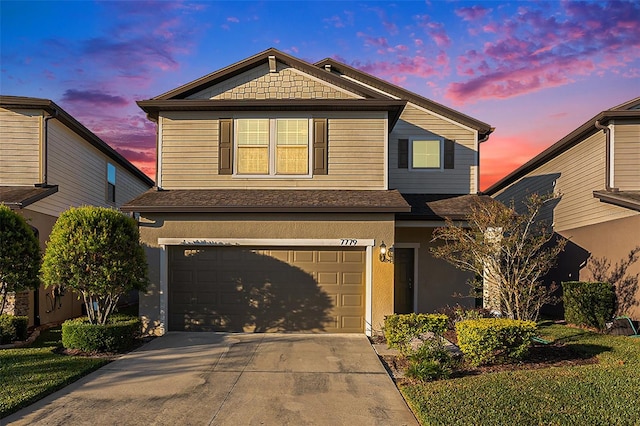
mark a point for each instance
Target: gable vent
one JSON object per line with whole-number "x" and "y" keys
{"x": 272, "y": 64}
{"x": 327, "y": 67}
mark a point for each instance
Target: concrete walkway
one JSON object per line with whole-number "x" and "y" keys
{"x": 232, "y": 379}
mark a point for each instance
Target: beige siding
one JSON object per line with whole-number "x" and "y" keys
{"x": 414, "y": 123}
{"x": 576, "y": 173}
{"x": 627, "y": 156}
{"x": 80, "y": 171}
{"x": 356, "y": 152}
{"x": 20, "y": 135}
{"x": 286, "y": 83}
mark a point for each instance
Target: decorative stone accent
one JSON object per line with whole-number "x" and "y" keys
{"x": 17, "y": 304}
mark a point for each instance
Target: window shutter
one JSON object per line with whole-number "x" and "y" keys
{"x": 225, "y": 146}
{"x": 320, "y": 146}
{"x": 449, "y": 153}
{"x": 403, "y": 153}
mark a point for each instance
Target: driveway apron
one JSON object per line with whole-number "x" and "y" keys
{"x": 232, "y": 379}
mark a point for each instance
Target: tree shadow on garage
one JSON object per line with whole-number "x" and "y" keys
{"x": 239, "y": 289}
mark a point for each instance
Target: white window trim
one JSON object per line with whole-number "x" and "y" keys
{"x": 428, "y": 138}
{"x": 164, "y": 243}
{"x": 272, "y": 148}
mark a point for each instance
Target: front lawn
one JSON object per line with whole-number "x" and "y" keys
{"x": 30, "y": 373}
{"x": 605, "y": 393}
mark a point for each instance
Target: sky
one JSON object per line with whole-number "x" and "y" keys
{"x": 533, "y": 70}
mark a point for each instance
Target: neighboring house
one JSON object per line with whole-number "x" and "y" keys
{"x": 48, "y": 163}
{"x": 596, "y": 171}
{"x": 280, "y": 184}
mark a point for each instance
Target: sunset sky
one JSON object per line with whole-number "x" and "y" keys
{"x": 533, "y": 70}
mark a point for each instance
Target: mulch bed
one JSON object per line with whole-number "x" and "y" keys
{"x": 540, "y": 356}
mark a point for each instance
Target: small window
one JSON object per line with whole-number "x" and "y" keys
{"x": 426, "y": 154}
{"x": 111, "y": 183}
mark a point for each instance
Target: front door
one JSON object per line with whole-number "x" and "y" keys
{"x": 403, "y": 280}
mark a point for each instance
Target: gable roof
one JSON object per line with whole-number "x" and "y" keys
{"x": 21, "y": 102}
{"x": 483, "y": 129}
{"x": 627, "y": 110}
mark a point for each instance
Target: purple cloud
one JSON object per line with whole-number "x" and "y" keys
{"x": 472, "y": 13}
{"x": 93, "y": 97}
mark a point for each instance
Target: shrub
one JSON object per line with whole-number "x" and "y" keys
{"x": 118, "y": 335}
{"x": 12, "y": 328}
{"x": 431, "y": 361}
{"x": 19, "y": 255}
{"x": 399, "y": 329}
{"x": 494, "y": 340}
{"x": 96, "y": 251}
{"x": 590, "y": 304}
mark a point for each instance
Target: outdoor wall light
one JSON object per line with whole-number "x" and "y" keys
{"x": 386, "y": 255}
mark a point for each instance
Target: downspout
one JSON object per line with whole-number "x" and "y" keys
{"x": 607, "y": 165}
{"x": 45, "y": 154}
{"x": 485, "y": 137}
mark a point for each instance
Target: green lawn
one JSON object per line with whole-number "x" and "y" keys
{"x": 607, "y": 393}
{"x": 28, "y": 374}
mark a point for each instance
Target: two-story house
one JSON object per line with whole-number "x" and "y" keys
{"x": 48, "y": 163}
{"x": 596, "y": 171}
{"x": 301, "y": 197}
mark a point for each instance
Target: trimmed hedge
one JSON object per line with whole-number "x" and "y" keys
{"x": 13, "y": 328}
{"x": 494, "y": 340}
{"x": 118, "y": 335}
{"x": 399, "y": 329}
{"x": 589, "y": 304}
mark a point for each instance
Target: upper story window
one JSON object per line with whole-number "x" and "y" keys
{"x": 272, "y": 146}
{"x": 426, "y": 154}
{"x": 111, "y": 183}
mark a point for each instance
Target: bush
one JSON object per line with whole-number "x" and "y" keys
{"x": 399, "y": 329}
{"x": 431, "y": 361}
{"x": 12, "y": 328}
{"x": 118, "y": 335}
{"x": 589, "y": 304}
{"x": 494, "y": 340}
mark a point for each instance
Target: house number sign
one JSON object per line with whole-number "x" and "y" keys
{"x": 348, "y": 242}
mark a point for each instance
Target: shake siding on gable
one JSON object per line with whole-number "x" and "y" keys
{"x": 20, "y": 135}
{"x": 356, "y": 151}
{"x": 627, "y": 155}
{"x": 577, "y": 173}
{"x": 416, "y": 122}
{"x": 80, "y": 170}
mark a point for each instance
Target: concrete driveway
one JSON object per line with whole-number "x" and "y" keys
{"x": 232, "y": 379}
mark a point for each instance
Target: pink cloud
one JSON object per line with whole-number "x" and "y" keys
{"x": 419, "y": 66}
{"x": 233, "y": 19}
{"x": 472, "y": 13}
{"x": 93, "y": 97}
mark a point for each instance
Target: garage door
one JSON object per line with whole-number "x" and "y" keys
{"x": 266, "y": 289}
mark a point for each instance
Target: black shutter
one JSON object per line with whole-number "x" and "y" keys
{"x": 403, "y": 153}
{"x": 449, "y": 153}
{"x": 225, "y": 146}
{"x": 320, "y": 146}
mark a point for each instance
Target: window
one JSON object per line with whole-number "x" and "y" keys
{"x": 272, "y": 146}
{"x": 111, "y": 183}
{"x": 425, "y": 154}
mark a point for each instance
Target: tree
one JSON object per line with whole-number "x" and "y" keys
{"x": 626, "y": 285}
{"x": 19, "y": 255}
{"x": 96, "y": 251}
{"x": 509, "y": 253}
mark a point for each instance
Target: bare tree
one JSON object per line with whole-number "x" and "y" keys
{"x": 509, "y": 253}
{"x": 626, "y": 285}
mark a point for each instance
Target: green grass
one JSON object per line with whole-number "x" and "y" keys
{"x": 597, "y": 394}
{"x": 30, "y": 373}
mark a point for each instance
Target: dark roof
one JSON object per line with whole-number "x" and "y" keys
{"x": 393, "y": 107}
{"x": 441, "y": 206}
{"x": 272, "y": 200}
{"x": 624, "y": 111}
{"x": 483, "y": 129}
{"x": 21, "y": 102}
{"x": 17, "y": 197}
{"x": 628, "y": 199}
{"x": 263, "y": 57}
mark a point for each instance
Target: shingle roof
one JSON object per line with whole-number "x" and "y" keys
{"x": 17, "y": 197}
{"x": 441, "y": 206}
{"x": 272, "y": 200}
{"x": 628, "y": 199}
